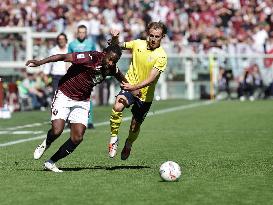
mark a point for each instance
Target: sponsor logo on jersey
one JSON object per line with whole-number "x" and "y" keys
{"x": 79, "y": 56}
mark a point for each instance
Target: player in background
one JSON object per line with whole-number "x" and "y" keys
{"x": 71, "y": 100}
{"x": 149, "y": 60}
{"x": 82, "y": 44}
{"x": 57, "y": 69}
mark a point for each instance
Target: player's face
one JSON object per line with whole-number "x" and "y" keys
{"x": 154, "y": 38}
{"x": 81, "y": 34}
{"x": 109, "y": 62}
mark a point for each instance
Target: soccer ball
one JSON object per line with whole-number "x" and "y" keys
{"x": 170, "y": 171}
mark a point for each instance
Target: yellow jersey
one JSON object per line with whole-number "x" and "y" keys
{"x": 143, "y": 62}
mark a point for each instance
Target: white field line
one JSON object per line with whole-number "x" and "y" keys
{"x": 27, "y": 126}
{"x": 159, "y": 112}
{"x": 20, "y": 132}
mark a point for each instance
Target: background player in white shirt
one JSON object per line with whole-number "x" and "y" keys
{"x": 57, "y": 69}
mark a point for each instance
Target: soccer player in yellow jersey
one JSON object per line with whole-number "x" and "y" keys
{"x": 148, "y": 62}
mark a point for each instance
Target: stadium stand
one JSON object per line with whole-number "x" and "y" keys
{"x": 200, "y": 28}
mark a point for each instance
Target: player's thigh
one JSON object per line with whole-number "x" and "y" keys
{"x": 120, "y": 103}
{"x": 140, "y": 110}
{"x": 124, "y": 99}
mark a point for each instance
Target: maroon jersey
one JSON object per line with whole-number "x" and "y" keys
{"x": 84, "y": 73}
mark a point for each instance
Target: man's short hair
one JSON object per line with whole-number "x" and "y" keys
{"x": 157, "y": 25}
{"x": 61, "y": 34}
{"x": 82, "y": 26}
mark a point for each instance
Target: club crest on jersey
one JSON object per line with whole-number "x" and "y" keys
{"x": 80, "y": 55}
{"x": 97, "y": 79}
{"x": 55, "y": 112}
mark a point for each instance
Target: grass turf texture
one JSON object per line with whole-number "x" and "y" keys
{"x": 224, "y": 149}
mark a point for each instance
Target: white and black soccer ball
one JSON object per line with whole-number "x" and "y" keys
{"x": 170, "y": 171}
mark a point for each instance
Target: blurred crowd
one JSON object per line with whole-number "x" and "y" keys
{"x": 194, "y": 27}
{"x": 205, "y": 24}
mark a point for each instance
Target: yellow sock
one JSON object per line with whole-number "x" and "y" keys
{"x": 132, "y": 136}
{"x": 115, "y": 121}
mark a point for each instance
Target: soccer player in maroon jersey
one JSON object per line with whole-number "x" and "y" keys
{"x": 71, "y": 101}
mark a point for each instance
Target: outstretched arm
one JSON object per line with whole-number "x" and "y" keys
{"x": 154, "y": 75}
{"x": 115, "y": 38}
{"x": 53, "y": 58}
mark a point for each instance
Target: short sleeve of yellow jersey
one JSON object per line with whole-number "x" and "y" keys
{"x": 129, "y": 44}
{"x": 161, "y": 63}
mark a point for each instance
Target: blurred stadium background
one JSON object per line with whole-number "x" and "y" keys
{"x": 214, "y": 46}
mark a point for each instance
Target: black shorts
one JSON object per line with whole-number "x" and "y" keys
{"x": 140, "y": 108}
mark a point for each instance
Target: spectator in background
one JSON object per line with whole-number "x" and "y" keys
{"x": 57, "y": 69}
{"x": 6, "y": 49}
{"x": 82, "y": 44}
{"x": 268, "y": 49}
{"x": 246, "y": 88}
{"x": 223, "y": 83}
{"x": 13, "y": 97}
{"x": 258, "y": 82}
{"x": 94, "y": 24}
{"x": 260, "y": 36}
{"x": 32, "y": 88}
{"x": 250, "y": 83}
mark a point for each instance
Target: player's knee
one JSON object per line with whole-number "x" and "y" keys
{"x": 57, "y": 127}
{"x": 77, "y": 136}
{"x": 119, "y": 105}
{"x": 77, "y": 139}
{"x": 56, "y": 131}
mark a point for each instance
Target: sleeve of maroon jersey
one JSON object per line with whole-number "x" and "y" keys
{"x": 82, "y": 58}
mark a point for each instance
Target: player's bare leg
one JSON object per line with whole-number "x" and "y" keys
{"x": 76, "y": 137}
{"x": 115, "y": 122}
{"x": 133, "y": 134}
{"x": 57, "y": 127}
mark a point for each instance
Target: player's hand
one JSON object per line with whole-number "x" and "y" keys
{"x": 136, "y": 93}
{"x": 32, "y": 63}
{"x": 114, "y": 32}
{"x": 127, "y": 86}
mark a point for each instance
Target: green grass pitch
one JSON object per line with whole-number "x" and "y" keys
{"x": 225, "y": 150}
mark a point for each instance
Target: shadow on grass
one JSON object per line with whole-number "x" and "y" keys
{"x": 162, "y": 181}
{"x": 94, "y": 168}
{"x": 106, "y": 168}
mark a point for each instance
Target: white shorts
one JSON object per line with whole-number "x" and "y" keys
{"x": 65, "y": 108}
